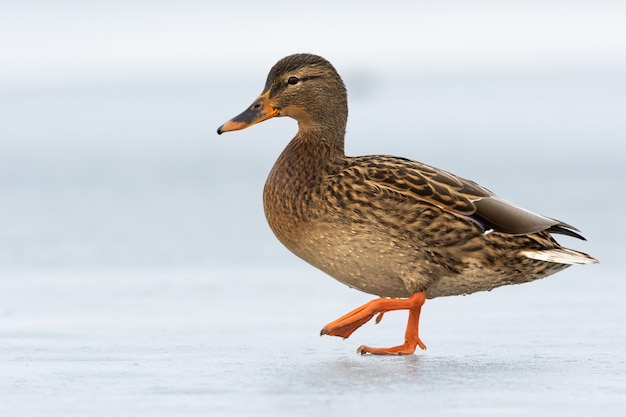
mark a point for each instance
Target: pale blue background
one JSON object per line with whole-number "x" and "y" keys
{"x": 138, "y": 275}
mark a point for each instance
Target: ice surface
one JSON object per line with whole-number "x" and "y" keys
{"x": 244, "y": 341}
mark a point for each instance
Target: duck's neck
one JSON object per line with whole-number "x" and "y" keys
{"x": 325, "y": 132}
{"x": 310, "y": 156}
{"x": 320, "y": 141}
{"x": 314, "y": 150}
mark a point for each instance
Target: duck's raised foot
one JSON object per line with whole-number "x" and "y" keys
{"x": 347, "y": 324}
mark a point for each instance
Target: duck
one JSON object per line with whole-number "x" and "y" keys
{"x": 398, "y": 229}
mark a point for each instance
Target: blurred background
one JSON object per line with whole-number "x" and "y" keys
{"x": 138, "y": 275}
{"x": 108, "y": 111}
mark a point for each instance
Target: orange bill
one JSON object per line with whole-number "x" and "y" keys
{"x": 258, "y": 111}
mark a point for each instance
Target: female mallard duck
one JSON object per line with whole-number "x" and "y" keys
{"x": 389, "y": 226}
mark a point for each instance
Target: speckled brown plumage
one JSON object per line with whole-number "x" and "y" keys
{"x": 386, "y": 225}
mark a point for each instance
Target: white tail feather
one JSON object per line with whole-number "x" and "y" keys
{"x": 560, "y": 256}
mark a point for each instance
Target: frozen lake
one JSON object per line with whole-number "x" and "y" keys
{"x": 243, "y": 341}
{"x": 138, "y": 276}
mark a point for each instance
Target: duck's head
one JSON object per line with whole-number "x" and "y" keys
{"x": 302, "y": 86}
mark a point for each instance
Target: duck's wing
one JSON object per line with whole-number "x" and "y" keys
{"x": 424, "y": 183}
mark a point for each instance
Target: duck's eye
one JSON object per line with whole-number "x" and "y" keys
{"x": 293, "y": 80}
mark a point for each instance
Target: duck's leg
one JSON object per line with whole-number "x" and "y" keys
{"x": 347, "y": 324}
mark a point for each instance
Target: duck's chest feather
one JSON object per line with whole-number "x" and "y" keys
{"x": 293, "y": 196}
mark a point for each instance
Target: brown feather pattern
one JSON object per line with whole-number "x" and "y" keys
{"x": 387, "y": 225}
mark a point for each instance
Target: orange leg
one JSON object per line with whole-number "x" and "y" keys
{"x": 346, "y": 325}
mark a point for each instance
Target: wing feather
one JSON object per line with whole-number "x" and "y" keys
{"x": 425, "y": 183}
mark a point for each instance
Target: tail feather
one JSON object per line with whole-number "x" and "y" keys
{"x": 566, "y": 229}
{"x": 560, "y": 256}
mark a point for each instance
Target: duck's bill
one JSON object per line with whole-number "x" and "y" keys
{"x": 258, "y": 111}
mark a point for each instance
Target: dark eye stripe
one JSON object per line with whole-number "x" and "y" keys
{"x": 278, "y": 88}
